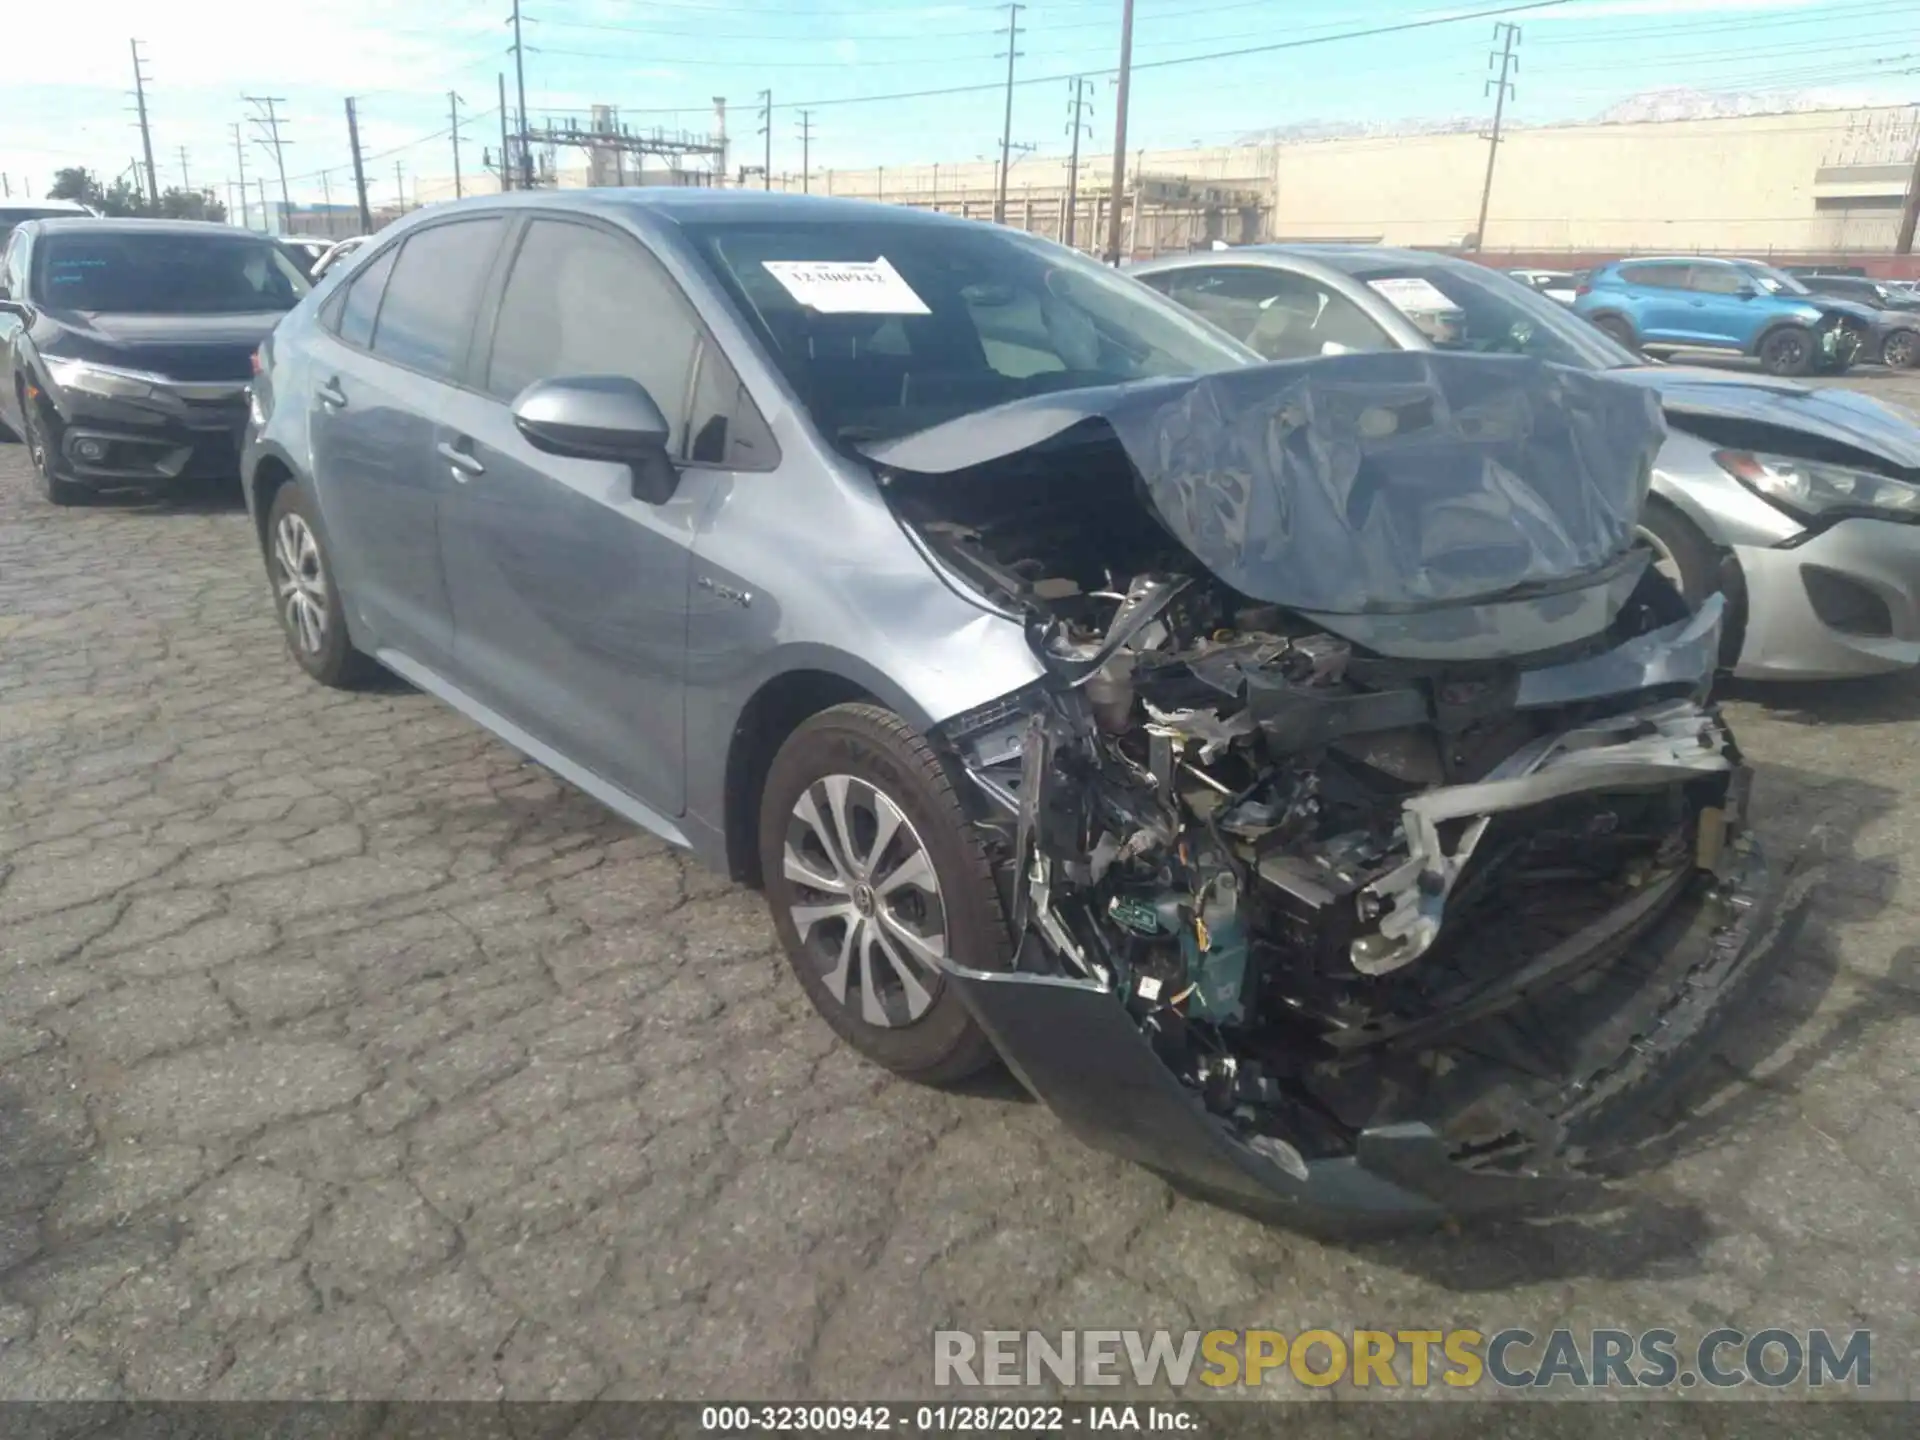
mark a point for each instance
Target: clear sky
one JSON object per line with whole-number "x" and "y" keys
{"x": 66, "y": 95}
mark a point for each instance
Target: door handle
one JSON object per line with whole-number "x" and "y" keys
{"x": 331, "y": 395}
{"x": 464, "y": 465}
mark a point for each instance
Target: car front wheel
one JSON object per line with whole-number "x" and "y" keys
{"x": 39, "y": 440}
{"x": 1619, "y": 328}
{"x": 1901, "y": 351}
{"x": 306, "y": 596}
{"x": 875, "y": 878}
{"x": 1787, "y": 352}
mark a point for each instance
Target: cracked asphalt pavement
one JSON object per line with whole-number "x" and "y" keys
{"x": 343, "y": 1053}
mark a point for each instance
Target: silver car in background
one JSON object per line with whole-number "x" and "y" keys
{"x": 1801, "y": 504}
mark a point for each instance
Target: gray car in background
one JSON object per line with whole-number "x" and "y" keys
{"x": 1802, "y": 504}
{"x": 1304, "y": 792}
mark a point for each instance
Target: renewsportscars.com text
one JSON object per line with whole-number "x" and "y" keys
{"x": 1460, "y": 1358}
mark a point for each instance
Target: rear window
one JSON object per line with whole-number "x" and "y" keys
{"x": 129, "y": 273}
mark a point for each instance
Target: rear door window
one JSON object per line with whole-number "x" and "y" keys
{"x": 357, "y": 308}
{"x": 1658, "y": 277}
{"x": 426, "y": 314}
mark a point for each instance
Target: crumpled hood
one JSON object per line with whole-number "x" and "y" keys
{"x": 1845, "y": 416}
{"x": 1357, "y": 484}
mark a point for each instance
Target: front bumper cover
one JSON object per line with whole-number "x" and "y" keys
{"x": 1073, "y": 1045}
{"x": 1863, "y": 573}
{"x": 183, "y": 432}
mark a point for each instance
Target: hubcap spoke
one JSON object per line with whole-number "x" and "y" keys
{"x": 913, "y": 991}
{"x": 836, "y": 978}
{"x": 926, "y": 950}
{"x": 805, "y": 917}
{"x": 836, "y": 787}
{"x": 916, "y": 870}
{"x": 803, "y": 872}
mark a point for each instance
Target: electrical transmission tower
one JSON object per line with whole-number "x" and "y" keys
{"x": 1077, "y": 126}
{"x": 268, "y": 122}
{"x": 1500, "y": 88}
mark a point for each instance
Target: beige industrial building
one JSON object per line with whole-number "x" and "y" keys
{"x": 1796, "y": 183}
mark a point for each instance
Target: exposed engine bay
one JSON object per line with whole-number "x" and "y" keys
{"x": 1344, "y": 875}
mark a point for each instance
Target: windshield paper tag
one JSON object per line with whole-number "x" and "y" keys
{"x": 1412, "y": 296}
{"x": 847, "y": 287}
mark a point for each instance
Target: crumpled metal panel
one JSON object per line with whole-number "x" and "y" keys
{"x": 1360, "y": 484}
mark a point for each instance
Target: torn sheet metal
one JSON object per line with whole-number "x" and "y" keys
{"x": 1655, "y": 746}
{"x": 1359, "y": 484}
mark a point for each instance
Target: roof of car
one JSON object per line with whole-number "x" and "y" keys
{"x": 1350, "y": 258}
{"x": 694, "y": 204}
{"x": 97, "y": 225}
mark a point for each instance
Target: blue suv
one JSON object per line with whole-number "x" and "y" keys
{"x": 1740, "y": 306}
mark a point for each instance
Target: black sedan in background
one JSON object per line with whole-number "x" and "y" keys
{"x": 126, "y": 347}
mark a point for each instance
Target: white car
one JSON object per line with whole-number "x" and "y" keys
{"x": 338, "y": 252}
{"x": 1554, "y": 284}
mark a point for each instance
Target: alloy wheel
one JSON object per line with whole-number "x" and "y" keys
{"x": 1902, "y": 350}
{"x": 1789, "y": 352}
{"x": 300, "y": 583}
{"x": 866, "y": 900}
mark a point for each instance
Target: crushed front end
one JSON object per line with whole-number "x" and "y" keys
{"x": 1395, "y": 909}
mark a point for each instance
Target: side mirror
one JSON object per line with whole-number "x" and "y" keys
{"x": 16, "y": 308}
{"x": 1747, "y": 292}
{"x": 601, "y": 417}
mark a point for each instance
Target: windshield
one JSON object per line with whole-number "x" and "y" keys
{"x": 162, "y": 273}
{"x": 1776, "y": 281}
{"x": 885, "y": 328}
{"x": 1481, "y": 311}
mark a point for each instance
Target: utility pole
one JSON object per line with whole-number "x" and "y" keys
{"x": 399, "y": 188}
{"x": 185, "y": 183}
{"x": 806, "y": 152}
{"x": 146, "y": 133}
{"x": 1076, "y": 127}
{"x": 1120, "y": 135}
{"x": 766, "y": 130}
{"x": 1508, "y": 36}
{"x": 453, "y": 115}
{"x": 1006, "y": 127}
{"x": 359, "y": 169}
{"x": 506, "y": 166}
{"x": 230, "y": 206}
{"x": 520, "y": 80}
{"x": 270, "y": 138}
{"x": 240, "y": 157}
{"x": 1910, "y": 212}
{"x": 266, "y": 224}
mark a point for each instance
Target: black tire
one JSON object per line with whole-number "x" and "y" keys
{"x": 39, "y": 445}
{"x": 875, "y": 748}
{"x": 326, "y": 653}
{"x": 1620, "y": 328}
{"x": 1692, "y": 554}
{"x": 1901, "y": 350}
{"x": 1788, "y": 351}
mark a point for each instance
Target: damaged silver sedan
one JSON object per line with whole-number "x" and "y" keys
{"x": 1370, "y": 843}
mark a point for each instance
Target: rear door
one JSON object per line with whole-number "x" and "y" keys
{"x": 570, "y": 596}
{"x": 401, "y": 334}
{"x": 1660, "y": 303}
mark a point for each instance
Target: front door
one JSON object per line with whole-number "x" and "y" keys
{"x": 569, "y": 595}
{"x": 378, "y": 384}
